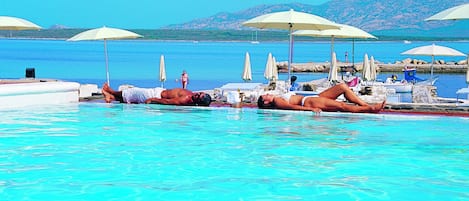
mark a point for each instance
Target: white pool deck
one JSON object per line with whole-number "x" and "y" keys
{"x": 28, "y": 92}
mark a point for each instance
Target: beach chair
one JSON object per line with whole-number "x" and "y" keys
{"x": 410, "y": 76}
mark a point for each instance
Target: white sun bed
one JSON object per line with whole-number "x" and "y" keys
{"x": 250, "y": 90}
{"x": 241, "y": 86}
{"x": 36, "y": 93}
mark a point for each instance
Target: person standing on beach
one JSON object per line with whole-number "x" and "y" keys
{"x": 184, "y": 79}
{"x": 346, "y": 57}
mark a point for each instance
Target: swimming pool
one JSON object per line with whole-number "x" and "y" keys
{"x": 94, "y": 151}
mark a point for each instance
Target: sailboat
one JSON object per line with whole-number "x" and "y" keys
{"x": 254, "y": 40}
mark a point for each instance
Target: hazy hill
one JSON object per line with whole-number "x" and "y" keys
{"x": 389, "y": 20}
{"x": 396, "y": 17}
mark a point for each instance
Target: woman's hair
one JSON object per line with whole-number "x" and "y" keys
{"x": 262, "y": 105}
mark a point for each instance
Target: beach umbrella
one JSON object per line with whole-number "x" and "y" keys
{"x": 14, "y": 23}
{"x": 433, "y": 50}
{"x": 455, "y": 13}
{"x": 366, "y": 71}
{"x": 274, "y": 69}
{"x": 460, "y": 12}
{"x": 268, "y": 72}
{"x": 290, "y": 20}
{"x": 162, "y": 71}
{"x": 373, "y": 69}
{"x": 344, "y": 31}
{"x": 333, "y": 69}
{"x": 104, "y": 33}
{"x": 247, "y": 74}
{"x": 271, "y": 71}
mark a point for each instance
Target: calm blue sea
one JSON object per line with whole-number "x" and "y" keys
{"x": 209, "y": 64}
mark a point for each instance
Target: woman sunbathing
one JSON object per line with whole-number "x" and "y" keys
{"x": 325, "y": 101}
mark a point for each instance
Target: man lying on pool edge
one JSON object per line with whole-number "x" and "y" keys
{"x": 156, "y": 95}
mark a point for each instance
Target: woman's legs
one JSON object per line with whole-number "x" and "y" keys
{"x": 329, "y": 105}
{"x": 339, "y": 89}
{"x": 375, "y": 108}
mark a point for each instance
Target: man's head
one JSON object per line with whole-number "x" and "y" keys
{"x": 201, "y": 99}
{"x": 266, "y": 102}
{"x": 293, "y": 78}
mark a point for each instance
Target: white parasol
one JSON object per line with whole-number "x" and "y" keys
{"x": 433, "y": 50}
{"x": 162, "y": 71}
{"x": 104, "y": 33}
{"x": 14, "y": 23}
{"x": 247, "y": 74}
{"x": 290, "y": 20}
{"x": 269, "y": 71}
{"x": 345, "y": 31}
{"x": 455, "y": 13}
{"x": 333, "y": 69}
{"x": 274, "y": 69}
{"x": 366, "y": 71}
{"x": 460, "y": 12}
{"x": 373, "y": 69}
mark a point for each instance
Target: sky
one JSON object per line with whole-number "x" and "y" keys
{"x": 131, "y": 14}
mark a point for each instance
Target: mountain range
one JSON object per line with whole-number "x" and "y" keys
{"x": 385, "y": 18}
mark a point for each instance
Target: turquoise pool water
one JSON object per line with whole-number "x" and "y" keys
{"x": 92, "y": 151}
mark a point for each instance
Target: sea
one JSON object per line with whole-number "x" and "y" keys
{"x": 209, "y": 64}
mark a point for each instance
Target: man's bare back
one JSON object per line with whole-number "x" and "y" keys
{"x": 175, "y": 93}
{"x": 176, "y": 96}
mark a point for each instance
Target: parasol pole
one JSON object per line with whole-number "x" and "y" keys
{"x": 290, "y": 50}
{"x": 431, "y": 69}
{"x": 353, "y": 53}
{"x": 467, "y": 72}
{"x": 107, "y": 63}
{"x": 332, "y": 52}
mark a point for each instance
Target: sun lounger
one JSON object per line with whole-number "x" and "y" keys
{"x": 250, "y": 90}
{"x": 241, "y": 86}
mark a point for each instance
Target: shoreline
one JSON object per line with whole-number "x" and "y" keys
{"x": 323, "y": 67}
{"x": 163, "y": 39}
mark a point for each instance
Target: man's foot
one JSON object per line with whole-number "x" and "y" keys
{"x": 107, "y": 96}
{"x": 106, "y": 87}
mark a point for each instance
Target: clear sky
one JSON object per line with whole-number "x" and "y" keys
{"x": 129, "y": 14}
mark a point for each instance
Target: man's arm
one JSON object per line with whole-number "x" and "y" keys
{"x": 185, "y": 100}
